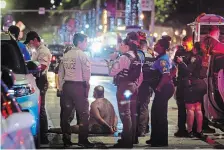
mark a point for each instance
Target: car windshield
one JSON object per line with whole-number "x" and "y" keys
{"x": 12, "y": 57}
{"x": 56, "y": 49}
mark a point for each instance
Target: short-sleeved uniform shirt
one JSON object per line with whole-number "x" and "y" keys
{"x": 163, "y": 64}
{"x": 43, "y": 56}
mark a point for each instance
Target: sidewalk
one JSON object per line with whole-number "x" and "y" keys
{"x": 53, "y": 109}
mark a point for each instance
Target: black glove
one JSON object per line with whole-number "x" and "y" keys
{"x": 59, "y": 93}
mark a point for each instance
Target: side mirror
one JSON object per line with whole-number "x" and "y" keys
{"x": 33, "y": 67}
{"x": 8, "y": 77}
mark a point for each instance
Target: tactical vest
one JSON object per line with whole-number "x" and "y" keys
{"x": 131, "y": 74}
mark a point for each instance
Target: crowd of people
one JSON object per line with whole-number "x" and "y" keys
{"x": 138, "y": 74}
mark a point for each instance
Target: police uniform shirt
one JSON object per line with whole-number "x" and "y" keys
{"x": 43, "y": 56}
{"x": 75, "y": 66}
{"x": 123, "y": 62}
{"x": 186, "y": 55}
{"x": 163, "y": 64}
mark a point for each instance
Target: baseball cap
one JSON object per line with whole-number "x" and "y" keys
{"x": 31, "y": 36}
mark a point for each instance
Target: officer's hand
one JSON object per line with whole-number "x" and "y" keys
{"x": 114, "y": 56}
{"x": 179, "y": 59}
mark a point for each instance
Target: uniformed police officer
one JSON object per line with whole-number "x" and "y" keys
{"x": 59, "y": 93}
{"x": 164, "y": 90}
{"x": 184, "y": 52}
{"x": 127, "y": 69}
{"x": 43, "y": 56}
{"x": 145, "y": 91}
{"x": 75, "y": 71}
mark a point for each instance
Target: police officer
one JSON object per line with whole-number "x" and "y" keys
{"x": 164, "y": 90}
{"x": 127, "y": 69}
{"x": 184, "y": 52}
{"x": 145, "y": 91}
{"x": 59, "y": 93}
{"x": 43, "y": 56}
{"x": 75, "y": 71}
{"x": 14, "y": 30}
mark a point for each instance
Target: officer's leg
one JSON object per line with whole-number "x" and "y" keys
{"x": 181, "y": 110}
{"x": 67, "y": 108}
{"x": 42, "y": 84}
{"x": 159, "y": 116}
{"x": 125, "y": 114}
{"x": 80, "y": 98}
{"x": 144, "y": 99}
{"x": 134, "y": 116}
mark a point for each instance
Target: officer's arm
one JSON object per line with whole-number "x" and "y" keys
{"x": 140, "y": 79}
{"x": 43, "y": 59}
{"x": 163, "y": 67}
{"x": 193, "y": 64}
{"x": 95, "y": 112}
{"x": 86, "y": 67}
{"x": 219, "y": 48}
{"x": 119, "y": 65}
{"x": 26, "y": 53}
{"x": 61, "y": 75}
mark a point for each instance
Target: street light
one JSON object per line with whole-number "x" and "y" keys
{"x": 164, "y": 33}
{"x": 176, "y": 33}
{"x": 52, "y": 1}
{"x": 2, "y": 4}
{"x": 100, "y": 27}
{"x": 184, "y": 32}
{"x": 155, "y": 35}
{"x": 142, "y": 16}
{"x": 87, "y": 26}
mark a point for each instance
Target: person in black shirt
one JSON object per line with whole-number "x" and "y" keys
{"x": 194, "y": 92}
{"x": 184, "y": 54}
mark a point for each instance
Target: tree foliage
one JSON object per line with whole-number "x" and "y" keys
{"x": 163, "y": 8}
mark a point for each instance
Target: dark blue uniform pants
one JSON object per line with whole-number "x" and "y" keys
{"x": 159, "y": 122}
{"x": 75, "y": 96}
{"x": 144, "y": 95}
{"x": 42, "y": 84}
{"x": 128, "y": 111}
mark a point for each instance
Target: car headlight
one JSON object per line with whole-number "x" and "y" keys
{"x": 96, "y": 47}
{"x": 23, "y": 90}
{"x": 27, "y": 104}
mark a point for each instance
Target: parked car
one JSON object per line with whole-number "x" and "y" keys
{"x": 57, "y": 51}
{"x": 15, "y": 124}
{"x": 214, "y": 99}
{"x": 25, "y": 89}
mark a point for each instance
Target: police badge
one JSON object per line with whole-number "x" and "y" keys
{"x": 193, "y": 59}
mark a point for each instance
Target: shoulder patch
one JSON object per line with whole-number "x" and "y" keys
{"x": 163, "y": 63}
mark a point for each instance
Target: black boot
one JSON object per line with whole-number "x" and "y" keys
{"x": 181, "y": 133}
{"x": 86, "y": 144}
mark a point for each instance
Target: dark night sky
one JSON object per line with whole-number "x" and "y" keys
{"x": 186, "y": 11}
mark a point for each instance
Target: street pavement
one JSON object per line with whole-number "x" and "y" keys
{"x": 107, "y": 141}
